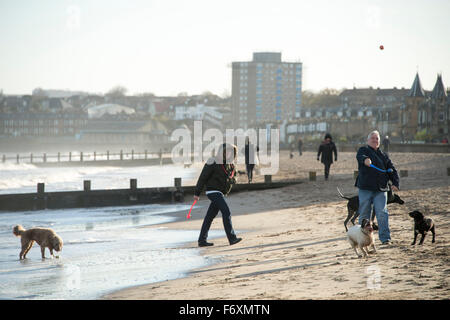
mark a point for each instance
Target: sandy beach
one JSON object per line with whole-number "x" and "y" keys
{"x": 294, "y": 241}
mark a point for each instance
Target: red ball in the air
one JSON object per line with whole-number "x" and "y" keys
{"x": 381, "y": 47}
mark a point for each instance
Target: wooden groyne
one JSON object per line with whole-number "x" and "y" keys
{"x": 88, "y": 198}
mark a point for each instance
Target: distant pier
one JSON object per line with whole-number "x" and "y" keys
{"x": 76, "y": 159}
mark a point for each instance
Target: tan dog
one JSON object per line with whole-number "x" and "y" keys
{"x": 46, "y": 238}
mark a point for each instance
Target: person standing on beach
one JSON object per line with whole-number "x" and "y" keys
{"x": 251, "y": 158}
{"x": 300, "y": 146}
{"x": 373, "y": 184}
{"x": 386, "y": 144}
{"x": 326, "y": 149}
{"x": 218, "y": 177}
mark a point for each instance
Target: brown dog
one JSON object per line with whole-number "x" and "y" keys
{"x": 46, "y": 238}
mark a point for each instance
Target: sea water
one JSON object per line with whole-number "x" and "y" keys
{"x": 24, "y": 177}
{"x": 105, "y": 249}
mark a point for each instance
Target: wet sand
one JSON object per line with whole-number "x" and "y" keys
{"x": 294, "y": 242}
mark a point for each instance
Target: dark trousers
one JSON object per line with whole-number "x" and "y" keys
{"x": 250, "y": 168}
{"x": 218, "y": 203}
{"x": 327, "y": 169}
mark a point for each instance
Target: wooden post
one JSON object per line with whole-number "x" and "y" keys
{"x": 95, "y": 156}
{"x": 121, "y": 155}
{"x": 40, "y": 188}
{"x": 86, "y": 199}
{"x": 133, "y": 184}
{"x": 17, "y": 159}
{"x": 107, "y": 155}
{"x": 4, "y": 159}
{"x": 132, "y": 154}
{"x": 145, "y": 154}
{"x": 178, "y": 194}
{"x": 59, "y": 156}
{"x": 70, "y": 156}
{"x": 267, "y": 178}
{"x": 312, "y": 176}
{"x": 81, "y": 156}
{"x": 31, "y": 158}
{"x": 403, "y": 173}
{"x": 40, "y": 199}
{"x": 133, "y": 187}
{"x": 44, "y": 158}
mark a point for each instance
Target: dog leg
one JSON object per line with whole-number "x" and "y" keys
{"x": 433, "y": 231}
{"x": 355, "y": 217}
{"x": 373, "y": 215}
{"x": 43, "y": 252}
{"x": 349, "y": 215}
{"x": 423, "y": 238}
{"x": 415, "y": 237}
{"x": 23, "y": 251}
{"x": 353, "y": 244}
{"x": 357, "y": 254}
{"x": 364, "y": 251}
{"x": 25, "y": 248}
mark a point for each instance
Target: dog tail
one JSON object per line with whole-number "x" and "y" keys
{"x": 18, "y": 230}
{"x": 340, "y": 193}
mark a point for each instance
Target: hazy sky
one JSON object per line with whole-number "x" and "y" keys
{"x": 173, "y": 46}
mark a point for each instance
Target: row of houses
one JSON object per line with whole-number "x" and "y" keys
{"x": 399, "y": 113}
{"x": 98, "y": 119}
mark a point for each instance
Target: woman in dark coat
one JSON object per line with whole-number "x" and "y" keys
{"x": 218, "y": 175}
{"x": 251, "y": 158}
{"x": 326, "y": 149}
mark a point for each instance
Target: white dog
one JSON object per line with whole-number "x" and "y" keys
{"x": 361, "y": 236}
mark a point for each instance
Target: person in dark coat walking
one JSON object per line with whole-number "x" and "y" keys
{"x": 250, "y": 158}
{"x": 218, "y": 177}
{"x": 300, "y": 146}
{"x": 326, "y": 149}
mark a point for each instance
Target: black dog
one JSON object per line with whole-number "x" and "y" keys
{"x": 422, "y": 225}
{"x": 353, "y": 205}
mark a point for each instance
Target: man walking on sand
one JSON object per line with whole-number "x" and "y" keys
{"x": 326, "y": 149}
{"x": 373, "y": 184}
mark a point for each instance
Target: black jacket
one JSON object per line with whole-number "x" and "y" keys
{"x": 215, "y": 176}
{"x": 371, "y": 178}
{"x": 250, "y": 154}
{"x": 327, "y": 149}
